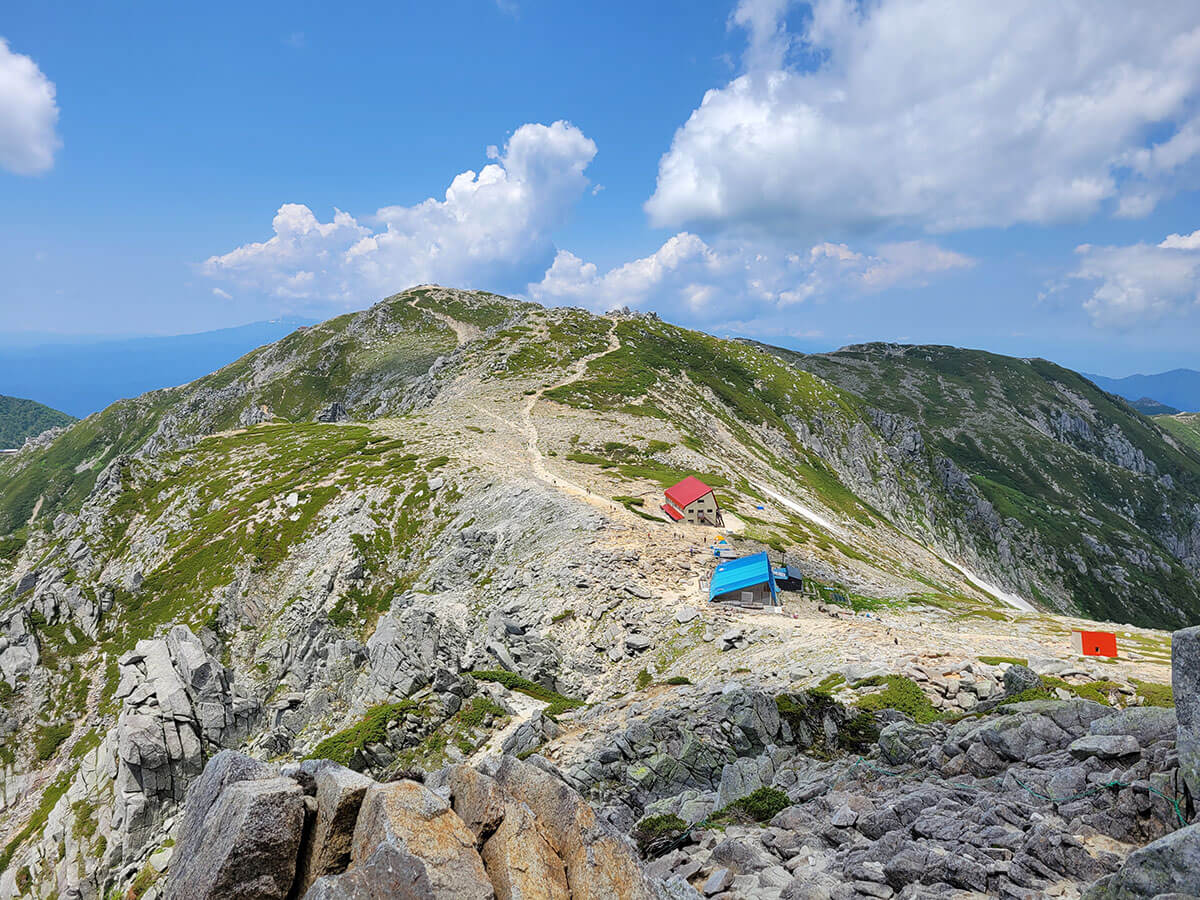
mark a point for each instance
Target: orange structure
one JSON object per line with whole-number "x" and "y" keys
{"x": 1094, "y": 643}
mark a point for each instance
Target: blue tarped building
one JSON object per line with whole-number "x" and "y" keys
{"x": 748, "y": 580}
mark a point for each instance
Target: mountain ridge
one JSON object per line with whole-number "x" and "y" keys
{"x": 941, "y": 484}
{"x": 21, "y": 419}
{"x": 1178, "y": 388}
{"x": 429, "y": 531}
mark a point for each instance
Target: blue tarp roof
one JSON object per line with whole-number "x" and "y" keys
{"x": 738, "y": 574}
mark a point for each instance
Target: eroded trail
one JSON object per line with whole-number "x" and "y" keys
{"x": 463, "y": 331}
{"x": 526, "y": 426}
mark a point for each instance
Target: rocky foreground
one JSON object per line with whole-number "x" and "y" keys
{"x": 1025, "y": 799}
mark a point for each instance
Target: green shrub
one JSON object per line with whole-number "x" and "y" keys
{"x": 50, "y": 739}
{"x": 1027, "y": 695}
{"x": 85, "y": 820}
{"x": 514, "y": 682}
{"x": 371, "y": 729}
{"x": 901, "y": 694}
{"x": 1097, "y": 691}
{"x": 760, "y": 805}
{"x": 142, "y": 882}
{"x": 1154, "y": 694}
{"x": 10, "y": 547}
{"x": 656, "y": 834}
{"x": 643, "y": 680}
{"x": 678, "y": 679}
{"x": 806, "y": 712}
{"x": 1000, "y": 660}
{"x": 831, "y": 682}
{"x": 476, "y": 712}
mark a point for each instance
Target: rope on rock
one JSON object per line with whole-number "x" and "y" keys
{"x": 1036, "y": 794}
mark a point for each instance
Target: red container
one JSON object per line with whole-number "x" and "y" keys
{"x": 1094, "y": 643}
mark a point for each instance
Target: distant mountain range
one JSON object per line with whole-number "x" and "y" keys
{"x": 82, "y": 377}
{"x": 20, "y": 419}
{"x": 1178, "y": 389}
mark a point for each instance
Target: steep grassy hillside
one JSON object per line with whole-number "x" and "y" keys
{"x": 1070, "y": 471}
{"x": 365, "y": 362}
{"x": 21, "y": 419}
{"x": 1184, "y": 426}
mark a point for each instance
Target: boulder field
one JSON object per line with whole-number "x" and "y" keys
{"x": 727, "y": 792}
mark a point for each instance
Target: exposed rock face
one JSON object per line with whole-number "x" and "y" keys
{"x": 241, "y": 832}
{"x": 1168, "y": 867}
{"x": 178, "y": 706}
{"x": 1019, "y": 678}
{"x": 598, "y": 863}
{"x": 514, "y": 832}
{"x": 334, "y": 412}
{"x": 18, "y": 647}
{"x": 411, "y": 818}
{"x": 339, "y": 795}
{"x": 1185, "y": 676}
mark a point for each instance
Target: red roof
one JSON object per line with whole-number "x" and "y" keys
{"x": 672, "y": 512}
{"x": 687, "y": 491}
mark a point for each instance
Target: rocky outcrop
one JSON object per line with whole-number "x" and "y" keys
{"x": 334, "y": 412}
{"x": 1185, "y": 676}
{"x": 339, "y": 796}
{"x": 240, "y": 834}
{"x": 18, "y": 647}
{"x": 1168, "y": 867}
{"x": 410, "y": 818}
{"x": 511, "y": 831}
{"x": 178, "y": 707}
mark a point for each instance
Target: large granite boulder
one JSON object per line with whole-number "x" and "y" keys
{"x": 241, "y": 833}
{"x": 387, "y": 874}
{"x": 1145, "y": 724}
{"x": 1018, "y": 678}
{"x": 1169, "y": 866}
{"x": 339, "y": 795}
{"x": 599, "y": 863}
{"x": 412, "y": 818}
{"x": 516, "y": 850}
{"x": 1185, "y": 679}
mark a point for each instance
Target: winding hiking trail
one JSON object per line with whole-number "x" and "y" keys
{"x": 537, "y": 461}
{"x": 578, "y": 369}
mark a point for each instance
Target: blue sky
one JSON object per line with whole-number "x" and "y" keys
{"x": 1012, "y": 176}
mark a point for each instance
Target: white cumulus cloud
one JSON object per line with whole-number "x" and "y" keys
{"x": 491, "y": 230}
{"x": 1139, "y": 284}
{"x": 696, "y": 281}
{"x": 941, "y": 115}
{"x": 28, "y": 115}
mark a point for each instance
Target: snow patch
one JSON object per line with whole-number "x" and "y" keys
{"x": 798, "y": 508}
{"x": 1008, "y": 597}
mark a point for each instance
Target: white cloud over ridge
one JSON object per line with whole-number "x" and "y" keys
{"x": 28, "y": 115}
{"x": 720, "y": 283}
{"x": 1139, "y": 284}
{"x": 491, "y": 229}
{"x": 941, "y": 115}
